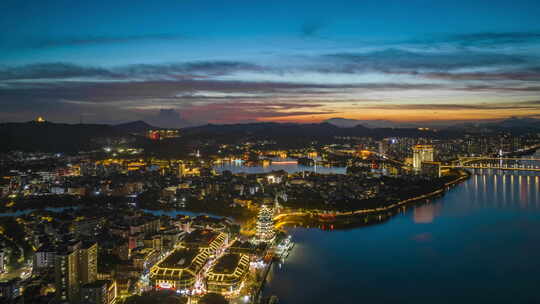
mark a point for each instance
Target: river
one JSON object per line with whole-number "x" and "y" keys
{"x": 480, "y": 243}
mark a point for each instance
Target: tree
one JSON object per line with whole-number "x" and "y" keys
{"x": 154, "y": 297}
{"x": 213, "y": 298}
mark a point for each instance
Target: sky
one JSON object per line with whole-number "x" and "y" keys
{"x": 175, "y": 63}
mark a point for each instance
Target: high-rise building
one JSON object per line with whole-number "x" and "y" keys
{"x": 421, "y": 153}
{"x": 88, "y": 263}
{"x": 44, "y": 257}
{"x": 75, "y": 265}
{"x": 265, "y": 225}
{"x": 67, "y": 275}
{"x": 2, "y": 261}
{"x": 383, "y": 146}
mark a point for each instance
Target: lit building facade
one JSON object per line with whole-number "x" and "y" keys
{"x": 265, "y": 225}
{"x": 422, "y": 153}
{"x": 179, "y": 270}
{"x": 227, "y": 275}
{"x": 88, "y": 263}
{"x": 67, "y": 275}
{"x": 162, "y": 134}
{"x": 75, "y": 264}
{"x": 211, "y": 242}
{"x": 2, "y": 261}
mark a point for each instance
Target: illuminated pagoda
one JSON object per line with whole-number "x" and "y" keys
{"x": 265, "y": 225}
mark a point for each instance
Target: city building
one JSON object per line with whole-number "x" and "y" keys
{"x": 99, "y": 292}
{"x": 67, "y": 275}
{"x": 431, "y": 169}
{"x": 88, "y": 262}
{"x": 162, "y": 134}
{"x": 422, "y": 153}
{"x": 227, "y": 274}
{"x": 265, "y": 225}
{"x": 75, "y": 264}
{"x": 44, "y": 257}
{"x": 206, "y": 240}
{"x": 2, "y": 261}
{"x": 179, "y": 270}
{"x": 10, "y": 290}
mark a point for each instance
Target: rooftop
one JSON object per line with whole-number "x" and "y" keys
{"x": 201, "y": 236}
{"x": 226, "y": 264}
{"x": 180, "y": 258}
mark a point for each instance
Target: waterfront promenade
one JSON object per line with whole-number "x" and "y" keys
{"x": 282, "y": 218}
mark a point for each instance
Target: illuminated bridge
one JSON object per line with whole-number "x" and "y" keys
{"x": 497, "y": 163}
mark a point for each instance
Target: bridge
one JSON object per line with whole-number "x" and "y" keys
{"x": 496, "y": 163}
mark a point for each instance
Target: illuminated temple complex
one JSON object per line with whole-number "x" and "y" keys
{"x": 227, "y": 274}
{"x": 178, "y": 270}
{"x": 206, "y": 240}
{"x": 265, "y": 225}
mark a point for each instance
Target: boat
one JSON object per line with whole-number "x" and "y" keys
{"x": 283, "y": 249}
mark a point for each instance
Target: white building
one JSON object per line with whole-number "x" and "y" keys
{"x": 44, "y": 258}
{"x": 422, "y": 153}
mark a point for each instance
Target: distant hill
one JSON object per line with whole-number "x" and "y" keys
{"x": 271, "y": 130}
{"x": 516, "y": 122}
{"x": 53, "y": 137}
{"x": 515, "y": 125}
{"x": 296, "y": 135}
{"x": 138, "y": 126}
{"x": 349, "y": 123}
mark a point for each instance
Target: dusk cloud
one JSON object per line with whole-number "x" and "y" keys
{"x": 268, "y": 64}
{"x": 90, "y": 40}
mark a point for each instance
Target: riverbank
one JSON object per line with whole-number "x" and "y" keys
{"x": 360, "y": 217}
{"x": 490, "y": 219}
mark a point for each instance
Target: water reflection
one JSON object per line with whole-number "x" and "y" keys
{"x": 479, "y": 241}
{"x": 500, "y": 189}
{"x": 425, "y": 214}
{"x": 288, "y": 165}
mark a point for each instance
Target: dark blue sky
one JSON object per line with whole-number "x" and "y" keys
{"x": 234, "y": 61}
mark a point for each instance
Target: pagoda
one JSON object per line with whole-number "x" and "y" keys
{"x": 265, "y": 225}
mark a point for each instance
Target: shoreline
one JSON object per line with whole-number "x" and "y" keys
{"x": 336, "y": 217}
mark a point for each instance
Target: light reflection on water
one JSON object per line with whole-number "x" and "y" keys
{"x": 237, "y": 167}
{"x": 479, "y": 243}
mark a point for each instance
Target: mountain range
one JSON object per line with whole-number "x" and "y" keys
{"x": 60, "y": 137}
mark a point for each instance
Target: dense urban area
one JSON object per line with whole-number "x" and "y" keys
{"x": 138, "y": 214}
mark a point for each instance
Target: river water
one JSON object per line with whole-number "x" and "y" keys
{"x": 480, "y": 243}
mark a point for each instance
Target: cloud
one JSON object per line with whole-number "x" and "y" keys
{"x": 398, "y": 60}
{"x": 289, "y": 86}
{"x": 226, "y": 112}
{"x": 166, "y": 118}
{"x": 523, "y": 105}
{"x": 522, "y": 74}
{"x": 56, "y": 70}
{"x": 495, "y": 38}
{"x": 90, "y": 40}
{"x": 173, "y": 71}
